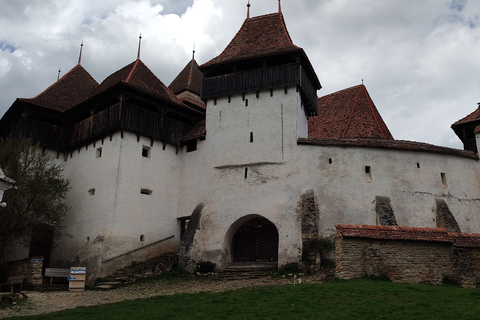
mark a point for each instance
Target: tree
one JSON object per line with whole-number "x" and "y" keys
{"x": 38, "y": 198}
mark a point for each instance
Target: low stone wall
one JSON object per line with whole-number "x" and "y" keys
{"x": 406, "y": 254}
{"x": 31, "y": 268}
{"x": 402, "y": 261}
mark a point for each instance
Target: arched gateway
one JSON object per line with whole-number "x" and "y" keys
{"x": 255, "y": 241}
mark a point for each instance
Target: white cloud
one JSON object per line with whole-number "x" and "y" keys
{"x": 417, "y": 58}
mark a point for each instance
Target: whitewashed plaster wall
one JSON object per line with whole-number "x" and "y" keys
{"x": 111, "y": 221}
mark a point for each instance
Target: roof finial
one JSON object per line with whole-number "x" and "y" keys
{"x": 58, "y": 75}
{"x": 362, "y": 81}
{"x": 248, "y": 9}
{"x": 279, "y": 7}
{"x": 139, "y": 44}
{"x": 80, "y": 55}
{"x": 193, "y": 54}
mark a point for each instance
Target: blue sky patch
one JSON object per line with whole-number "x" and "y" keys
{"x": 458, "y": 4}
{"x": 4, "y": 46}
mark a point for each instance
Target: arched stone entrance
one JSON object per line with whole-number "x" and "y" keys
{"x": 256, "y": 240}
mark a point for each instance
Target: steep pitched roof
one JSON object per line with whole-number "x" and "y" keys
{"x": 474, "y": 116}
{"x": 258, "y": 37}
{"x": 348, "y": 113}
{"x": 138, "y": 76}
{"x": 410, "y": 233}
{"x": 190, "y": 78}
{"x": 71, "y": 89}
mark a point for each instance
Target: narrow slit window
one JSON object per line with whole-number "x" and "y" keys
{"x": 246, "y": 173}
{"x": 98, "y": 153}
{"x": 142, "y": 237}
{"x": 444, "y": 179}
{"x": 368, "y": 174}
{"x": 246, "y": 102}
{"x": 330, "y": 160}
{"x": 418, "y": 164}
{"x": 146, "y": 152}
{"x": 251, "y": 137}
{"x": 146, "y": 191}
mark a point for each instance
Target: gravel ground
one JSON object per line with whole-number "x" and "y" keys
{"x": 46, "y": 302}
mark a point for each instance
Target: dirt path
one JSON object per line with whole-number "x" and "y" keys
{"x": 46, "y": 302}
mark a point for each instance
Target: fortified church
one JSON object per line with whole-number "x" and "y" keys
{"x": 237, "y": 161}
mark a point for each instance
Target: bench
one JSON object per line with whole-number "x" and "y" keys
{"x": 14, "y": 281}
{"x": 56, "y": 273}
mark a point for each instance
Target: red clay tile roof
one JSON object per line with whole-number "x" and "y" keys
{"x": 196, "y": 132}
{"x": 409, "y": 233}
{"x": 258, "y": 37}
{"x": 388, "y": 144}
{"x": 348, "y": 113}
{"x": 71, "y": 89}
{"x": 138, "y": 76}
{"x": 474, "y": 116}
{"x": 190, "y": 78}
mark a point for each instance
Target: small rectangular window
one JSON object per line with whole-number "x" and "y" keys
{"x": 192, "y": 145}
{"x": 98, "y": 153}
{"x": 330, "y": 160}
{"x": 251, "y": 137}
{"x": 368, "y": 174}
{"x": 146, "y": 191}
{"x": 444, "y": 179}
{"x": 91, "y": 192}
{"x": 146, "y": 152}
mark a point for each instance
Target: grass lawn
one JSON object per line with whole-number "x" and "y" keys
{"x": 338, "y": 299}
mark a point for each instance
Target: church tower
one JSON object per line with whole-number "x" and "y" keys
{"x": 259, "y": 93}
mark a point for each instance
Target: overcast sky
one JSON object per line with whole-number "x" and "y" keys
{"x": 419, "y": 59}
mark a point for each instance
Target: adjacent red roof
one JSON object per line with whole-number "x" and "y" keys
{"x": 409, "y": 233}
{"x": 138, "y": 76}
{"x": 71, "y": 89}
{"x": 190, "y": 78}
{"x": 474, "y": 116}
{"x": 348, "y": 113}
{"x": 198, "y": 131}
{"x": 388, "y": 144}
{"x": 258, "y": 37}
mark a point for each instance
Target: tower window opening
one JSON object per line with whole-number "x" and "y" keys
{"x": 251, "y": 137}
{"x": 98, "y": 153}
{"x": 368, "y": 174}
{"x": 418, "y": 164}
{"x": 246, "y": 102}
{"x": 146, "y": 191}
{"x": 444, "y": 179}
{"x": 246, "y": 173}
{"x": 330, "y": 160}
{"x": 91, "y": 192}
{"x": 146, "y": 152}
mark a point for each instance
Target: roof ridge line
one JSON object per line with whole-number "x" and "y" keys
{"x": 131, "y": 71}
{"x": 373, "y": 112}
{"x": 351, "y": 114}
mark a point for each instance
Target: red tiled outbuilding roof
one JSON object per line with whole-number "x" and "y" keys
{"x": 71, "y": 89}
{"x": 409, "y": 233}
{"x": 138, "y": 76}
{"x": 190, "y": 78}
{"x": 388, "y": 144}
{"x": 348, "y": 113}
{"x": 258, "y": 37}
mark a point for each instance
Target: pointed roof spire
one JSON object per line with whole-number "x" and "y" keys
{"x": 58, "y": 75}
{"x": 139, "y": 44}
{"x": 348, "y": 113}
{"x": 80, "y": 55}
{"x": 279, "y": 7}
{"x": 248, "y": 9}
{"x": 193, "y": 54}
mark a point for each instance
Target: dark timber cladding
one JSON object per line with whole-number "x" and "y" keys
{"x": 132, "y": 99}
{"x": 261, "y": 56}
